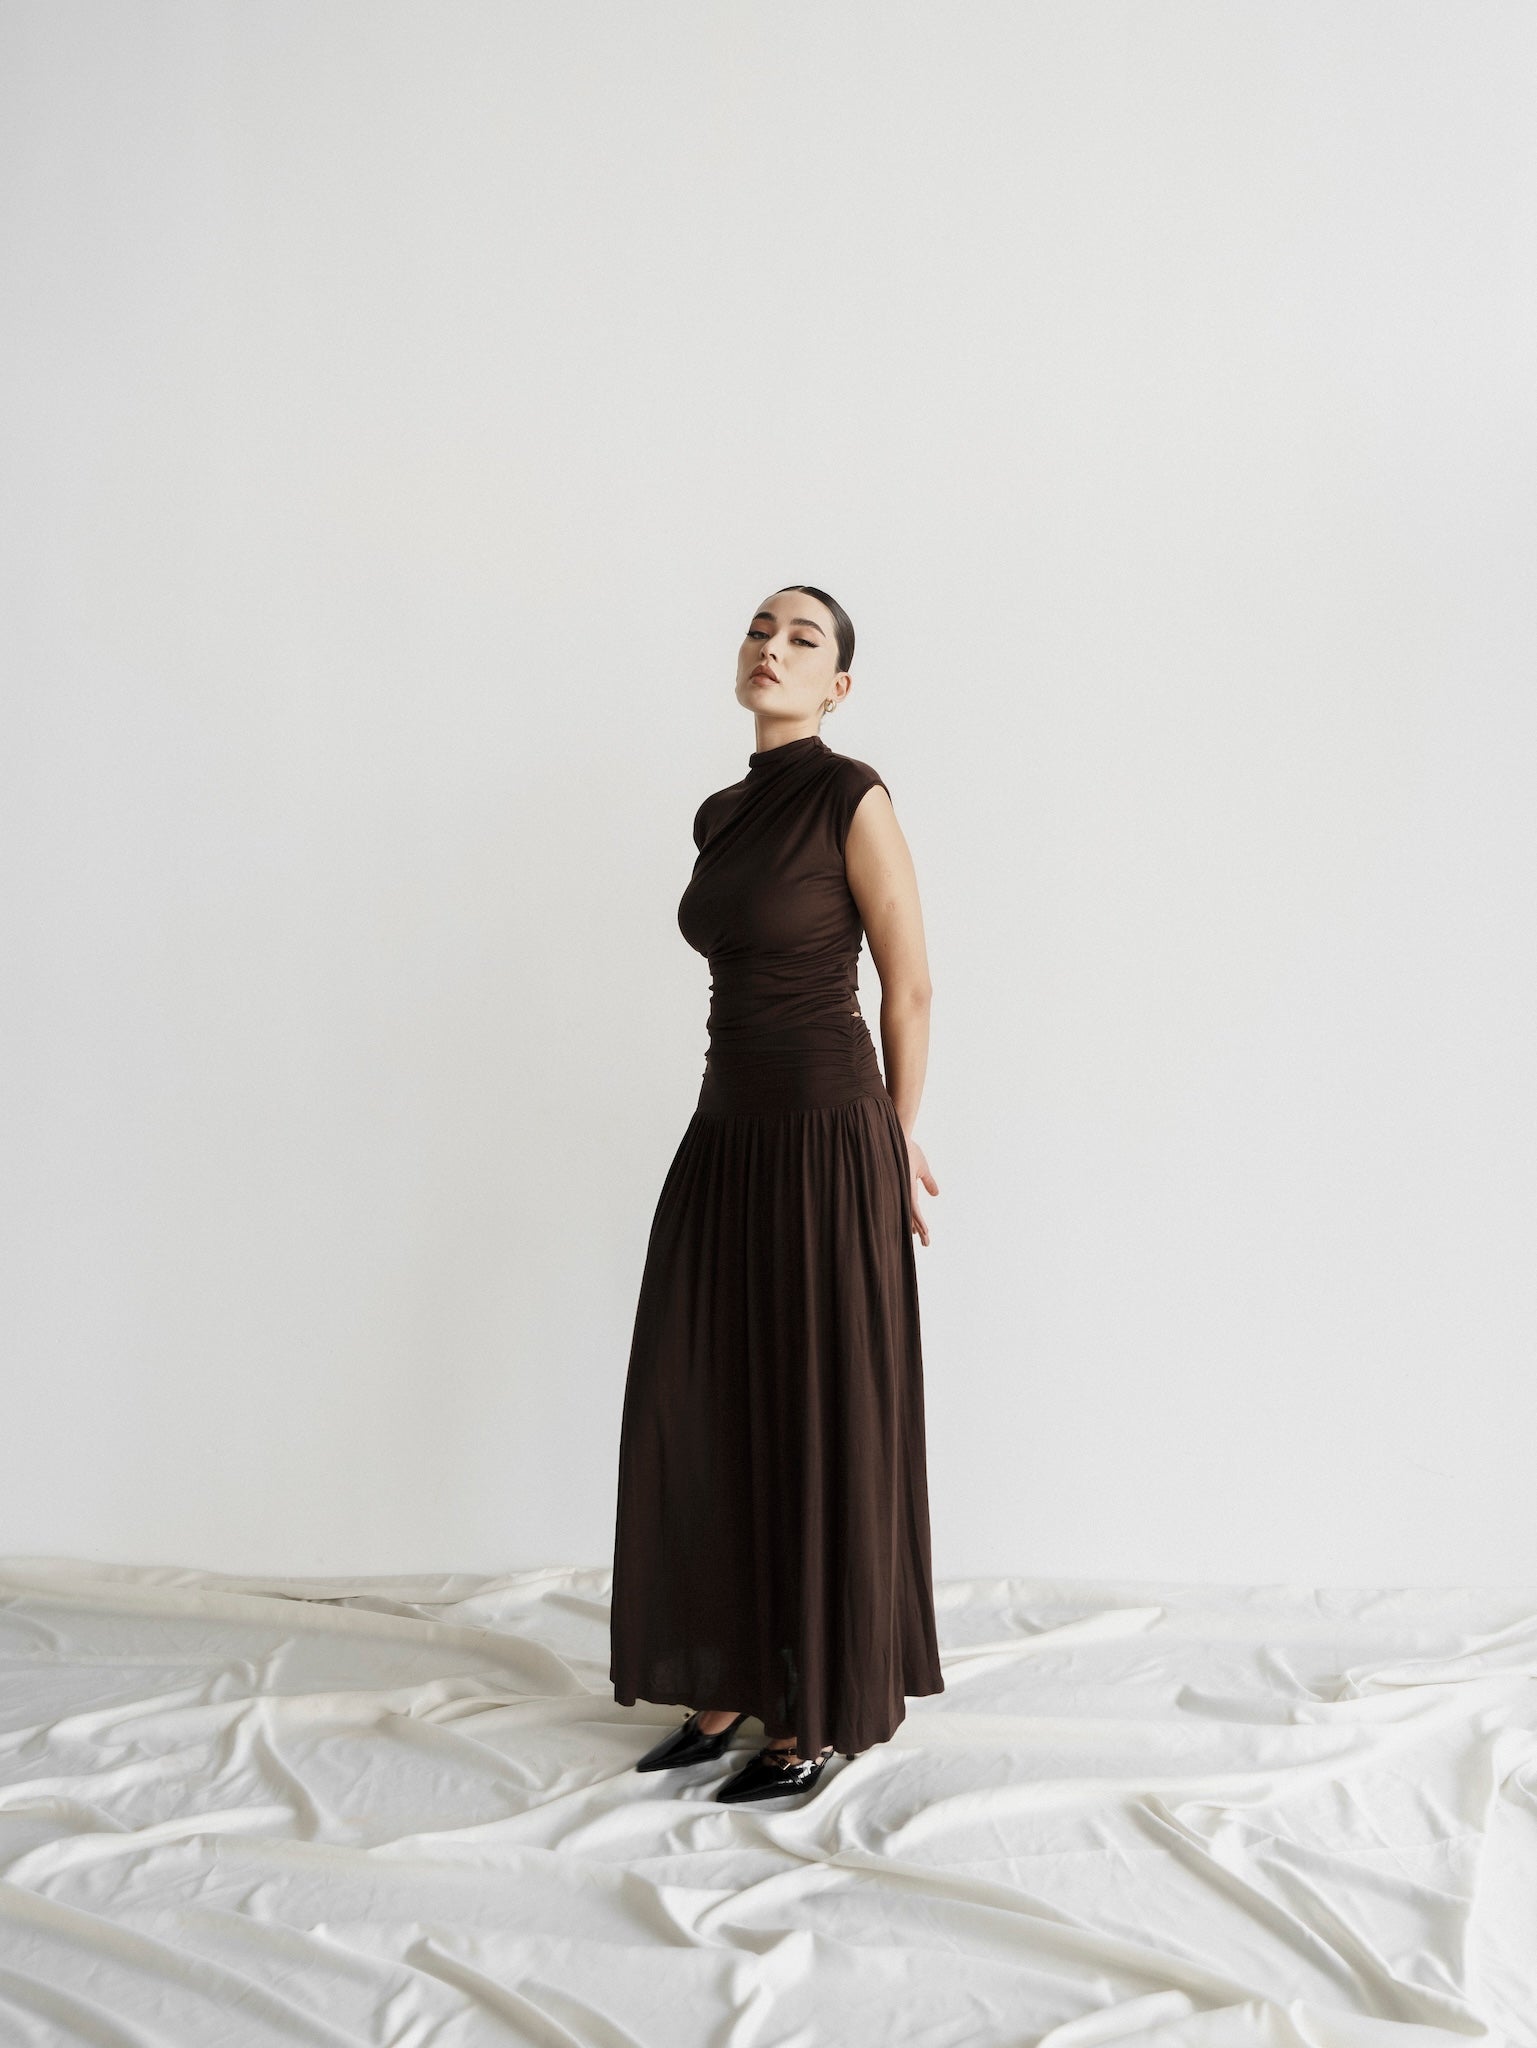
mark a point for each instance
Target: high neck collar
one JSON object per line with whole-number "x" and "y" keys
{"x": 773, "y": 760}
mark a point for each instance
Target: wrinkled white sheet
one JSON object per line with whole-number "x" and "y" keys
{"x": 251, "y": 1811}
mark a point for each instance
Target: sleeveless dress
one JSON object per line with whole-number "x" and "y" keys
{"x": 771, "y": 1550}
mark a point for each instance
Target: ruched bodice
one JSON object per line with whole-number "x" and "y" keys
{"x": 769, "y": 906}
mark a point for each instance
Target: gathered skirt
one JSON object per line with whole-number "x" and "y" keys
{"x": 772, "y": 1545}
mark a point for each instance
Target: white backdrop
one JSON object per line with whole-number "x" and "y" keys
{"x": 406, "y": 407}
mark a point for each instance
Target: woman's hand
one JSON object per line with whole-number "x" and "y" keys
{"x": 918, "y": 1173}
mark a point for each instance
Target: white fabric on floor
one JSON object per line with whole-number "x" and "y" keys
{"x": 255, "y": 1811}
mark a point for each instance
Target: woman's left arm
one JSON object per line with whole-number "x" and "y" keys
{"x": 884, "y": 886}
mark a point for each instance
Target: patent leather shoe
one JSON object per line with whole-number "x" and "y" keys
{"x": 773, "y": 1774}
{"x": 686, "y": 1745}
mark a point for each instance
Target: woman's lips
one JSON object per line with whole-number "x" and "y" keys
{"x": 761, "y": 675}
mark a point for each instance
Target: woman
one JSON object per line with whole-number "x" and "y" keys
{"x": 771, "y": 1551}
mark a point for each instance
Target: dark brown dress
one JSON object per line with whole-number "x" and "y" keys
{"x": 771, "y": 1549}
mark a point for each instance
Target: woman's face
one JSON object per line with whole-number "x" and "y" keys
{"x": 792, "y": 639}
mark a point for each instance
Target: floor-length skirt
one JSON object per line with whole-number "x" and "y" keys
{"x": 772, "y": 1548}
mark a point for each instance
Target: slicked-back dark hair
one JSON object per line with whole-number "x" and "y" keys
{"x": 842, "y": 623}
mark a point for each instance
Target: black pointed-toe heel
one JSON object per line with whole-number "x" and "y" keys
{"x": 686, "y": 1745}
{"x": 772, "y": 1775}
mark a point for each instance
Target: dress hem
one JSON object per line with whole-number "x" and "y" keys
{"x": 852, "y": 1748}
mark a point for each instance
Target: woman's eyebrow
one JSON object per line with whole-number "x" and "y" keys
{"x": 794, "y": 622}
